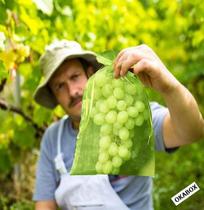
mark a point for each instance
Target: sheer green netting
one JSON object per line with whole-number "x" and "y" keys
{"x": 115, "y": 135}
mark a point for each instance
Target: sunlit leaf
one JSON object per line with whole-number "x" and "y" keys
{"x": 24, "y": 136}
{"x": 2, "y": 40}
{"x": 45, "y": 5}
{"x": 3, "y": 72}
{"x": 3, "y": 14}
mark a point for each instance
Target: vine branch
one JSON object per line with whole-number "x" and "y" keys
{"x": 5, "y": 106}
{"x": 2, "y": 84}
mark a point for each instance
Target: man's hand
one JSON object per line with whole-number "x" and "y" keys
{"x": 147, "y": 66}
{"x": 184, "y": 123}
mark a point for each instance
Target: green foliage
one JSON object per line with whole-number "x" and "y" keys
{"x": 5, "y": 162}
{"x": 45, "y": 5}
{"x": 21, "y": 205}
{"x": 174, "y": 29}
{"x": 3, "y": 72}
{"x": 175, "y": 172}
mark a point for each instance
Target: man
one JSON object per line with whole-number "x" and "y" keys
{"x": 66, "y": 68}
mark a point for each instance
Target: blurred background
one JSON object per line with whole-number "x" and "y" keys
{"x": 174, "y": 29}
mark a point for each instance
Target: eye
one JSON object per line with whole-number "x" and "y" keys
{"x": 75, "y": 76}
{"x": 59, "y": 87}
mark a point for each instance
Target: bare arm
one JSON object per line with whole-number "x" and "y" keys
{"x": 45, "y": 205}
{"x": 184, "y": 123}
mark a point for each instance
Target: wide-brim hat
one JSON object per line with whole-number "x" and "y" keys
{"x": 55, "y": 54}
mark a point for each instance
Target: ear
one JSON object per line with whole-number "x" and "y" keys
{"x": 90, "y": 71}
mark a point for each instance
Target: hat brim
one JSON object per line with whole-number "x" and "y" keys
{"x": 43, "y": 94}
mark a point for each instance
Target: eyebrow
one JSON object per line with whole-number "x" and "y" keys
{"x": 75, "y": 71}
{"x": 54, "y": 84}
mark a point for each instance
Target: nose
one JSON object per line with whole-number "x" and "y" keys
{"x": 74, "y": 90}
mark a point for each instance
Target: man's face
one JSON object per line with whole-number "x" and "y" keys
{"x": 68, "y": 84}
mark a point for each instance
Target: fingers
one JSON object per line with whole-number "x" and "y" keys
{"x": 119, "y": 56}
{"x": 125, "y": 66}
{"x": 146, "y": 66}
{"x": 125, "y": 60}
{"x": 117, "y": 64}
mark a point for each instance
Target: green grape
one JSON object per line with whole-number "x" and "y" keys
{"x": 117, "y": 140}
{"x": 106, "y": 129}
{"x": 106, "y": 90}
{"x": 116, "y": 128}
{"x": 102, "y": 150}
{"x": 121, "y": 105}
{"x": 117, "y": 83}
{"x": 115, "y": 171}
{"x": 111, "y": 117}
{"x": 115, "y": 131}
{"x": 103, "y": 157}
{"x": 93, "y": 112}
{"x": 100, "y": 79}
{"x": 122, "y": 117}
{"x": 129, "y": 100}
{"x": 97, "y": 93}
{"x": 139, "y": 121}
{"x": 123, "y": 152}
{"x": 117, "y": 125}
{"x": 130, "y": 89}
{"x": 124, "y": 133}
{"x": 113, "y": 149}
{"x": 99, "y": 119}
{"x": 111, "y": 102}
{"x": 135, "y": 154}
{"x": 117, "y": 161}
{"x": 132, "y": 133}
{"x": 132, "y": 111}
{"x": 22, "y": 52}
{"x": 105, "y": 142}
{"x": 99, "y": 168}
{"x": 140, "y": 106}
{"x": 107, "y": 167}
{"x": 128, "y": 144}
{"x": 130, "y": 124}
{"x": 98, "y": 103}
{"x": 128, "y": 156}
{"x": 103, "y": 107}
{"x": 118, "y": 93}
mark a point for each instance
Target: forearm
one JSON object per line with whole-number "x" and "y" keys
{"x": 45, "y": 205}
{"x": 185, "y": 117}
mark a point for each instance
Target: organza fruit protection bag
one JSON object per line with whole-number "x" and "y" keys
{"x": 115, "y": 134}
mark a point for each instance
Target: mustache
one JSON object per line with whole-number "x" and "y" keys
{"x": 74, "y": 100}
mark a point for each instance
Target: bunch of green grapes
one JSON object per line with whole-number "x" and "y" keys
{"x": 22, "y": 51}
{"x": 117, "y": 111}
{"x": 14, "y": 55}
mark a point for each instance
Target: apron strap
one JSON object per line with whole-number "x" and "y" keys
{"x": 59, "y": 163}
